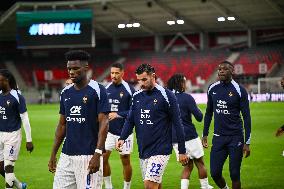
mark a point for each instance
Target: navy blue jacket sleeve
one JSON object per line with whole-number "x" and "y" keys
{"x": 208, "y": 115}
{"x": 195, "y": 110}
{"x": 123, "y": 114}
{"x": 244, "y": 105}
{"x": 176, "y": 121}
{"x": 128, "y": 125}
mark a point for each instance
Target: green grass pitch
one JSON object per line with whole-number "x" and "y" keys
{"x": 263, "y": 169}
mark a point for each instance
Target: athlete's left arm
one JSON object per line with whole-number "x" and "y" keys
{"x": 27, "y": 127}
{"x": 177, "y": 123}
{"x": 26, "y": 123}
{"x": 244, "y": 105}
{"x": 194, "y": 109}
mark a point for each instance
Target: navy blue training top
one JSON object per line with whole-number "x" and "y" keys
{"x": 81, "y": 109}
{"x": 120, "y": 98}
{"x": 188, "y": 107}
{"x": 11, "y": 106}
{"x": 154, "y": 113}
{"x": 227, "y": 101}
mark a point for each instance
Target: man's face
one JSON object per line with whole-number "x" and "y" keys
{"x": 225, "y": 72}
{"x": 116, "y": 75}
{"x": 146, "y": 81}
{"x": 282, "y": 82}
{"x": 3, "y": 83}
{"x": 76, "y": 71}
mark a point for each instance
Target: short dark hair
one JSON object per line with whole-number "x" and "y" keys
{"x": 77, "y": 55}
{"x": 145, "y": 68}
{"x": 227, "y": 62}
{"x": 176, "y": 82}
{"x": 117, "y": 65}
{"x": 8, "y": 75}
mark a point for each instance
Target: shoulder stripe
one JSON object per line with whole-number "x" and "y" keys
{"x": 237, "y": 87}
{"x": 213, "y": 85}
{"x": 95, "y": 86}
{"x": 67, "y": 87}
{"x": 126, "y": 85}
{"x": 137, "y": 92}
{"x": 163, "y": 91}
{"x": 108, "y": 85}
{"x": 15, "y": 94}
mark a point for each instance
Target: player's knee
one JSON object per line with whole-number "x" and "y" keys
{"x": 10, "y": 178}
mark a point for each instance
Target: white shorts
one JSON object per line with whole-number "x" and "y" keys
{"x": 154, "y": 167}
{"x": 10, "y": 144}
{"x": 72, "y": 173}
{"x": 194, "y": 149}
{"x": 111, "y": 140}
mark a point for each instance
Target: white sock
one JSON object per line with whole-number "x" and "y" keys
{"x": 226, "y": 187}
{"x": 126, "y": 185}
{"x": 184, "y": 183}
{"x": 204, "y": 183}
{"x": 108, "y": 184}
{"x": 17, "y": 184}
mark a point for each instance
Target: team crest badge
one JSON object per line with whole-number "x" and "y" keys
{"x": 85, "y": 99}
{"x": 8, "y": 102}
{"x": 155, "y": 101}
{"x": 230, "y": 94}
{"x": 121, "y": 94}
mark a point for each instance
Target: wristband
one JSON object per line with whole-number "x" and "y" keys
{"x": 99, "y": 151}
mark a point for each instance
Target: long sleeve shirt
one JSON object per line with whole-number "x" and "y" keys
{"x": 154, "y": 113}
{"x": 188, "y": 108}
{"x": 227, "y": 101}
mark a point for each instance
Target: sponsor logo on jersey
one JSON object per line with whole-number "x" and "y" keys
{"x": 3, "y": 112}
{"x": 114, "y": 104}
{"x": 222, "y": 107}
{"x": 75, "y": 111}
{"x": 145, "y": 117}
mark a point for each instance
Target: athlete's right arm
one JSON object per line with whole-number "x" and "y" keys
{"x": 207, "y": 120}
{"x": 59, "y": 137}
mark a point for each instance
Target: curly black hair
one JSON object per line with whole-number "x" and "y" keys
{"x": 176, "y": 82}
{"x": 77, "y": 55}
{"x": 11, "y": 79}
{"x": 145, "y": 68}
